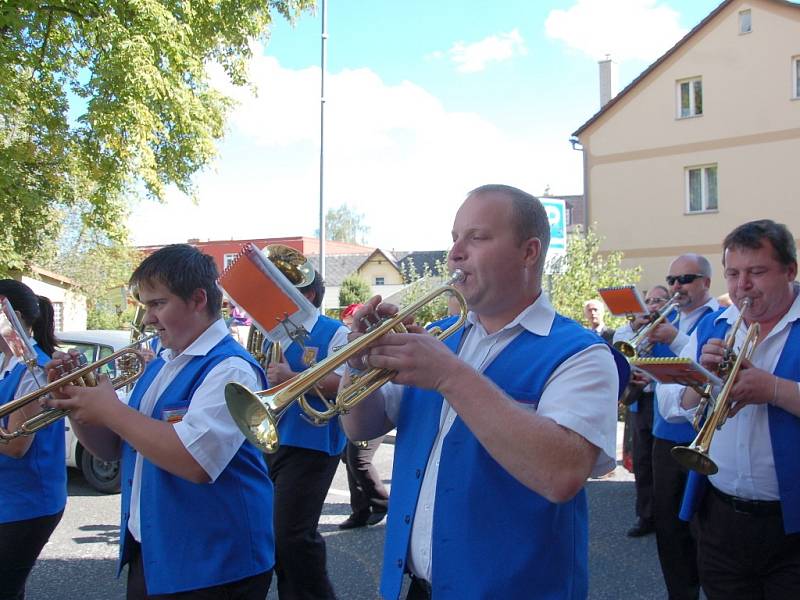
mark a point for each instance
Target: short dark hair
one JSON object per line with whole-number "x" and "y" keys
{"x": 529, "y": 216}
{"x": 659, "y": 287}
{"x": 182, "y": 269}
{"x": 752, "y": 234}
{"x": 37, "y": 312}
{"x": 318, "y": 287}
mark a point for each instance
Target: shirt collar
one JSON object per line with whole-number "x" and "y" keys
{"x": 212, "y": 336}
{"x": 536, "y": 317}
{"x": 711, "y": 303}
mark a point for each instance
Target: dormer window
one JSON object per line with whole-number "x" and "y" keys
{"x": 690, "y": 97}
{"x": 745, "y": 21}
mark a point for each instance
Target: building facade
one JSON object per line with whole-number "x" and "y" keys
{"x": 703, "y": 140}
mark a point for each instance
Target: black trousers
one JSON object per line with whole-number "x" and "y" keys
{"x": 249, "y": 588}
{"x": 677, "y": 550}
{"x": 419, "y": 590}
{"x": 745, "y": 556}
{"x": 20, "y": 545}
{"x": 642, "y": 424}
{"x": 301, "y": 478}
{"x": 367, "y": 492}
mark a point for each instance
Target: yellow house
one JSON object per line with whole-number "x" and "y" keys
{"x": 706, "y": 138}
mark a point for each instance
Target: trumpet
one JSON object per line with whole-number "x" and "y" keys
{"x": 695, "y": 455}
{"x": 257, "y": 413}
{"x": 83, "y": 376}
{"x": 638, "y": 345}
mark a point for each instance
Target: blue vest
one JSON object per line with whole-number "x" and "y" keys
{"x": 34, "y": 485}
{"x": 294, "y": 429}
{"x": 680, "y": 433}
{"x": 199, "y": 535}
{"x": 492, "y": 536}
{"x": 784, "y": 433}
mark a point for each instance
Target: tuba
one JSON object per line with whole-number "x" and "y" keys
{"x": 83, "y": 376}
{"x": 695, "y": 455}
{"x": 257, "y": 413}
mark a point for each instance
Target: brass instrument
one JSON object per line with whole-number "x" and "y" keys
{"x": 638, "y": 345}
{"x": 296, "y": 267}
{"x": 255, "y": 347}
{"x": 83, "y": 376}
{"x": 257, "y": 413}
{"x": 695, "y": 456}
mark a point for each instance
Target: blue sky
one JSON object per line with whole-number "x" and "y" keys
{"x": 425, "y": 101}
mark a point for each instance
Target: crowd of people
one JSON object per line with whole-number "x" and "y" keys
{"x": 498, "y": 428}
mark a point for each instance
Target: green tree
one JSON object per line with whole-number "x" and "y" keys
{"x": 582, "y": 271}
{"x": 354, "y": 290}
{"x": 421, "y": 284}
{"x": 344, "y": 224}
{"x": 102, "y": 99}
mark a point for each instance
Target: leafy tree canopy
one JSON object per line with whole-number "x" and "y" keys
{"x": 423, "y": 283}
{"x": 582, "y": 271}
{"x": 103, "y": 98}
{"x": 354, "y": 290}
{"x": 344, "y": 224}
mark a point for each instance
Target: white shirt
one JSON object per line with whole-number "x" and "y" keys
{"x": 742, "y": 448}
{"x": 687, "y": 321}
{"x": 580, "y": 395}
{"x": 207, "y": 429}
{"x": 30, "y": 382}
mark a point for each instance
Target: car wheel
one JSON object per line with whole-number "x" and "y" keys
{"x": 102, "y": 475}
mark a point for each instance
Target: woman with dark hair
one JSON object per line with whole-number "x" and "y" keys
{"x": 34, "y": 490}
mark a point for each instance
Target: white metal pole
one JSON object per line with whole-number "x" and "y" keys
{"x": 322, "y": 141}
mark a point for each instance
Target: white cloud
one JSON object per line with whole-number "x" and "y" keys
{"x": 393, "y": 153}
{"x": 471, "y": 58}
{"x": 625, "y": 29}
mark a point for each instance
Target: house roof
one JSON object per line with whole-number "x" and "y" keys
{"x": 419, "y": 259}
{"x": 710, "y": 17}
{"x": 339, "y": 266}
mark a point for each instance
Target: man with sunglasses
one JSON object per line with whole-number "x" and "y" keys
{"x": 689, "y": 276}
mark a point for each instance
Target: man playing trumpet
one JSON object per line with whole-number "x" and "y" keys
{"x": 748, "y": 513}
{"x": 498, "y": 428}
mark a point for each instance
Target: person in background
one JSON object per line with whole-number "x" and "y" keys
{"x": 34, "y": 489}
{"x": 594, "y": 311}
{"x": 369, "y": 499}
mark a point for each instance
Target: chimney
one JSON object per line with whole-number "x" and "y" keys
{"x": 609, "y": 79}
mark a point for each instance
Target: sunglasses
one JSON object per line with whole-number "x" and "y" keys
{"x": 683, "y": 279}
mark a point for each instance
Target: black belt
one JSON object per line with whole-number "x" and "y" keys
{"x": 756, "y": 508}
{"x": 421, "y": 586}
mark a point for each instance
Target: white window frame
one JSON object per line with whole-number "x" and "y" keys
{"x": 381, "y": 282}
{"x": 796, "y": 77}
{"x": 227, "y": 260}
{"x": 703, "y": 188}
{"x": 690, "y": 81}
{"x": 745, "y": 19}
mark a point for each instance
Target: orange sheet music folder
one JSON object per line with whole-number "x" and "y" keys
{"x": 623, "y": 300}
{"x": 256, "y": 286}
{"x": 683, "y": 371}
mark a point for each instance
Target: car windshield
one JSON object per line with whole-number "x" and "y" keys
{"x": 93, "y": 353}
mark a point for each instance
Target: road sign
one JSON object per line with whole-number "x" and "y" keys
{"x": 557, "y": 215}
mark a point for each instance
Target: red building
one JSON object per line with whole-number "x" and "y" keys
{"x": 224, "y": 251}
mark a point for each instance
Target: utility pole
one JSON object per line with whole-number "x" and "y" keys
{"x": 323, "y": 66}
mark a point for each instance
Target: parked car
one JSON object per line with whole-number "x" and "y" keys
{"x": 104, "y": 476}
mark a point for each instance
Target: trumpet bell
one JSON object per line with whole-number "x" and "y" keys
{"x": 255, "y": 418}
{"x": 627, "y": 350}
{"x": 694, "y": 459}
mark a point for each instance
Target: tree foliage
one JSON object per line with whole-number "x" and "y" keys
{"x": 421, "y": 284}
{"x": 582, "y": 271}
{"x": 344, "y": 224}
{"x": 354, "y": 290}
{"x": 104, "y": 98}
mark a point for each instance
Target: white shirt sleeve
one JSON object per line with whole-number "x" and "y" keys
{"x": 207, "y": 429}
{"x": 581, "y": 395}
{"x": 679, "y": 343}
{"x": 669, "y": 395}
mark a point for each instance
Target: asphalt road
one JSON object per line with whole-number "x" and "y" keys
{"x": 79, "y": 562}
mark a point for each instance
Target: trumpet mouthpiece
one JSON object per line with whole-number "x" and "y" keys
{"x": 457, "y": 276}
